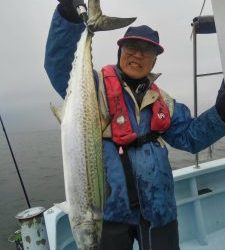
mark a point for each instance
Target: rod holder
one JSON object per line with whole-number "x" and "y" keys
{"x": 33, "y": 230}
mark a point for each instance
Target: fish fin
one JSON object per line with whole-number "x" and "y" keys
{"x": 57, "y": 112}
{"x": 63, "y": 206}
{"x": 104, "y": 23}
{"x": 98, "y": 22}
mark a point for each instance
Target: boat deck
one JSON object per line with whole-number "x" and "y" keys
{"x": 215, "y": 241}
{"x": 200, "y": 197}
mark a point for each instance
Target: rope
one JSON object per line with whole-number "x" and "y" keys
{"x": 203, "y": 6}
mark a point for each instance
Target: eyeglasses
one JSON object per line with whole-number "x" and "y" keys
{"x": 131, "y": 47}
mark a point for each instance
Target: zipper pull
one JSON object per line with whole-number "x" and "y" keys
{"x": 121, "y": 150}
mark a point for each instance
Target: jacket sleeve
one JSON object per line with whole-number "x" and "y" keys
{"x": 194, "y": 134}
{"x": 60, "y": 48}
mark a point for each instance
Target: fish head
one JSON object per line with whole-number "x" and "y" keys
{"x": 88, "y": 235}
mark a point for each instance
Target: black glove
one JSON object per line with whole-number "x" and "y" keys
{"x": 68, "y": 10}
{"x": 220, "y": 101}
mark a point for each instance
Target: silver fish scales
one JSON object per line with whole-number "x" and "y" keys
{"x": 81, "y": 137}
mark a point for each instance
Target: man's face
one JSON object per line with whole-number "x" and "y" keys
{"x": 137, "y": 58}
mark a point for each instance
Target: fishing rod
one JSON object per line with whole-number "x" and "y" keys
{"x": 15, "y": 163}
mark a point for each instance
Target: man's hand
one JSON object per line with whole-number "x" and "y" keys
{"x": 220, "y": 101}
{"x": 68, "y": 9}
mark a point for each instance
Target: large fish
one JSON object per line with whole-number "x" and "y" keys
{"x": 81, "y": 137}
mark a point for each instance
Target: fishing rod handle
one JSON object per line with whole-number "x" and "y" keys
{"x": 82, "y": 12}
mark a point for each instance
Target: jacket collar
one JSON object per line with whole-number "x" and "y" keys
{"x": 149, "y": 97}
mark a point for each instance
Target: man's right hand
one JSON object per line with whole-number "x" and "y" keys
{"x": 68, "y": 9}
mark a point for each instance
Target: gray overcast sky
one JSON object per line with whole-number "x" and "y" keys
{"x": 25, "y": 91}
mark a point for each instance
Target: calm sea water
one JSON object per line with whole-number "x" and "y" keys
{"x": 38, "y": 155}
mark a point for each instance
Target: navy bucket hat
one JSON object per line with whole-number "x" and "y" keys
{"x": 143, "y": 33}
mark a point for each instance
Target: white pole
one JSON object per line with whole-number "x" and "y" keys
{"x": 219, "y": 16}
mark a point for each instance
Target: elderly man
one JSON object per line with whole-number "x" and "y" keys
{"x": 140, "y": 200}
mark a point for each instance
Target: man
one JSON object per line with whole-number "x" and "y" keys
{"x": 140, "y": 200}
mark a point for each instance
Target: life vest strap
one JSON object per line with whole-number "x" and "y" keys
{"x": 149, "y": 137}
{"x": 130, "y": 180}
{"x": 127, "y": 166}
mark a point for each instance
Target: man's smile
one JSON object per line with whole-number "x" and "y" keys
{"x": 134, "y": 64}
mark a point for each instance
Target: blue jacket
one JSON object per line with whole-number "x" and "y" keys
{"x": 150, "y": 161}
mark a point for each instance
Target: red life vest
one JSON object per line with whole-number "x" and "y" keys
{"x": 122, "y": 132}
